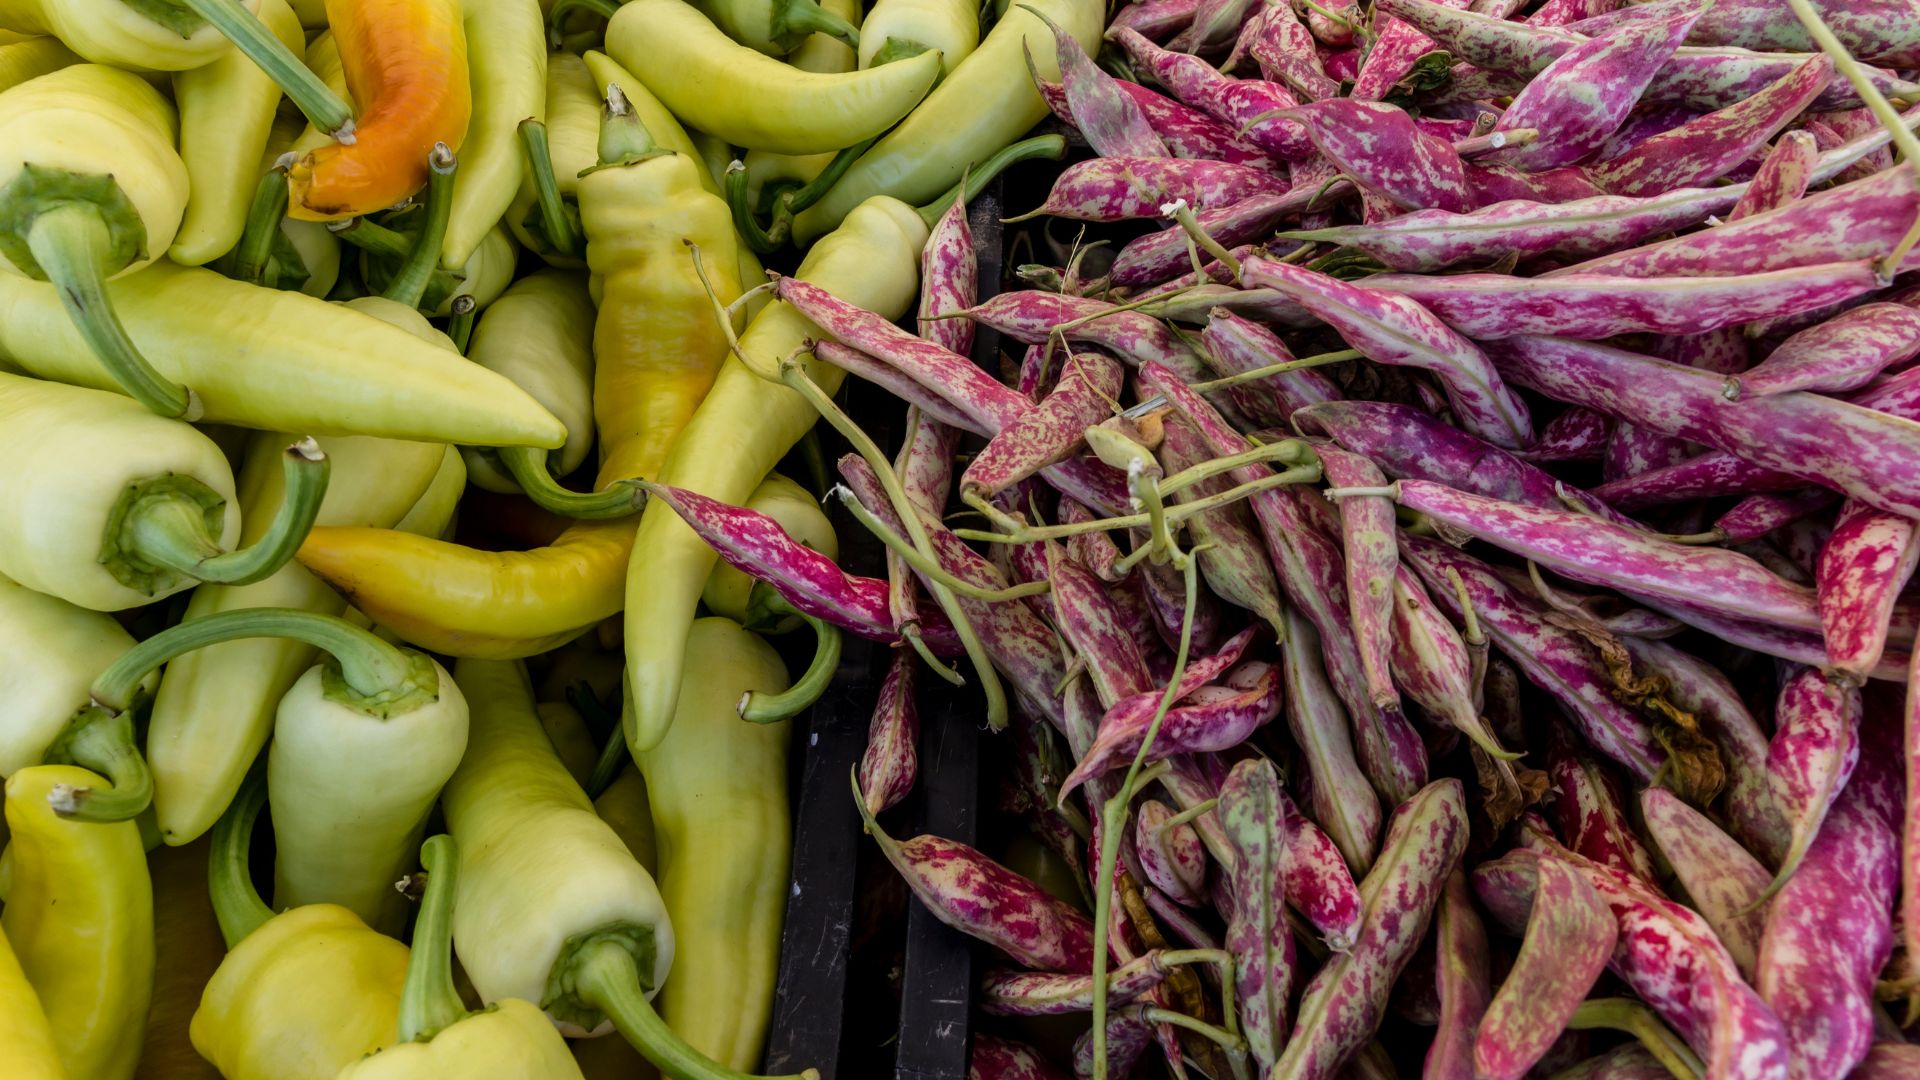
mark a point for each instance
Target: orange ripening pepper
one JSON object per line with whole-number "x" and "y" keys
{"x": 406, "y": 68}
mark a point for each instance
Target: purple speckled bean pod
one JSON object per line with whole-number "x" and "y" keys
{"x": 1410, "y": 444}
{"x": 1551, "y": 13}
{"x": 1578, "y": 100}
{"x": 1632, "y": 451}
{"x": 1368, "y": 533}
{"x": 894, "y": 381}
{"x": 1699, "y": 77}
{"x": 1347, "y": 999}
{"x": 1783, "y": 176}
{"x": 1570, "y": 935}
{"x": 1125, "y": 188}
{"x": 1462, "y": 980}
{"x": 1815, "y": 748}
{"x": 757, "y": 546}
{"x": 1552, "y": 657}
{"x": 1006, "y": 992}
{"x": 1830, "y": 930}
{"x": 1022, "y": 647}
{"x": 1186, "y": 928}
{"x": 1311, "y": 574}
{"x": 1588, "y": 810}
{"x": 1888, "y": 1061}
{"x": 1490, "y": 184}
{"x": 1171, "y": 857}
{"x": 1391, "y": 57}
{"x": 1215, "y": 25}
{"x": 1757, "y": 515}
{"x": 1870, "y": 455}
{"x": 1210, "y": 718}
{"x": 1050, "y": 432}
{"x": 925, "y": 467}
{"x": 1723, "y": 880}
{"x": 1111, "y": 120}
{"x": 1032, "y": 317}
{"x": 1863, "y": 568}
{"x": 1241, "y": 104}
{"x": 1128, "y": 1038}
{"x": 1285, "y": 51}
{"x": 949, "y": 280}
{"x": 1845, "y": 126}
{"x": 1135, "y": 710}
{"x": 1708, "y": 147}
{"x": 1433, "y": 239}
{"x": 1432, "y": 665}
{"x": 1645, "y": 122}
{"x": 1190, "y": 133}
{"x": 1706, "y": 476}
{"x": 1157, "y": 256}
{"x": 993, "y": 1058}
{"x": 1593, "y": 306}
{"x": 983, "y": 899}
{"x": 1785, "y": 642}
{"x": 1339, "y": 798}
{"x": 1257, "y": 935}
{"x": 1165, "y": 592}
{"x": 1380, "y": 148}
{"x": 1577, "y": 434}
{"x": 1156, "y": 18}
{"x": 1392, "y": 329}
{"x": 1703, "y": 690}
{"x": 1876, "y": 31}
{"x": 890, "y": 764}
{"x": 1232, "y": 560}
{"x": 1089, "y": 622}
{"x": 1236, "y": 344}
{"x": 1318, "y": 883}
{"x": 1844, "y": 353}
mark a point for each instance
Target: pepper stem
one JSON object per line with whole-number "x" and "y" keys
{"x": 764, "y": 708}
{"x": 808, "y": 17}
{"x": 898, "y": 49}
{"x": 102, "y": 741}
{"x": 384, "y": 243}
{"x": 745, "y": 223}
{"x": 321, "y": 105}
{"x": 410, "y": 283}
{"x": 370, "y": 666}
{"x": 975, "y": 180}
{"x": 460, "y": 321}
{"x": 263, "y": 223}
{"x": 71, "y": 243}
{"x": 173, "y": 532}
{"x": 560, "y": 229}
{"x": 607, "y": 978}
{"x": 429, "y": 1003}
{"x": 624, "y": 139}
{"x": 236, "y": 903}
{"x": 529, "y": 469}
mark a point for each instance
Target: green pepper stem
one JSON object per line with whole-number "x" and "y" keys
{"x": 608, "y": 979}
{"x": 410, "y": 283}
{"x": 71, "y": 243}
{"x": 307, "y": 91}
{"x": 263, "y": 223}
{"x": 560, "y": 230}
{"x": 369, "y": 665}
{"x": 236, "y": 903}
{"x": 624, "y": 138}
{"x": 803, "y": 197}
{"x": 173, "y": 533}
{"x": 370, "y": 237}
{"x": 763, "y": 708}
{"x": 897, "y": 49}
{"x": 606, "y": 768}
{"x": 557, "y": 15}
{"x": 102, "y": 741}
{"x": 744, "y": 222}
{"x": 460, "y": 321}
{"x": 529, "y": 469}
{"x": 1623, "y": 1014}
{"x": 930, "y": 567}
{"x": 975, "y": 180}
{"x": 429, "y": 1002}
{"x": 808, "y": 17}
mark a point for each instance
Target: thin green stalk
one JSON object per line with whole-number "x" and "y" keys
{"x": 931, "y": 567}
{"x": 1189, "y": 814}
{"x": 560, "y": 229}
{"x": 409, "y": 283}
{"x": 1256, "y": 374}
{"x": 236, "y": 904}
{"x": 1299, "y": 474}
{"x": 368, "y": 663}
{"x": 759, "y": 707}
{"x": 305, "y": 89}
{"x": 429, "y": 1002}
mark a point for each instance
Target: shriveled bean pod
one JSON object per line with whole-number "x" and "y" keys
{"x": 1815, "y": 747}
{"x": 983, "y": 899}
{"x": 1863, "y": 567}
{"x": 1232, "y": 558}
{"x": 1338, "y": 796}
{"x": 1723, "y": 880}
{"x": 1367, "y": 532}
{"x": 1570, "y": 935}
{"x": 1391, "y": 329}
{"x": 1843, "y": 353}
{"x": 1257, "y": 934}
{"x": 1125, "y": 188}
{"x": 1381, "y": 149}
{"x": 1462, "y": 981}
{"x": 1345, "y": 1002}
{"x": 1048, "y": 433}
{"x": 890, "y": 764}
{"x": 1587, "y": 808}
{"x": 1170, "y": 855}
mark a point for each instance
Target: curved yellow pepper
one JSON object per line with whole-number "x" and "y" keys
{"x": 31, "y": 1054}
{"x": 32, "y": 57}
{"x": 115, "y": 32}
{"x": 507, "y": 62}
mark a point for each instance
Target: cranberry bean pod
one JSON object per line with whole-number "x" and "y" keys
{"x": 1005, "y": 992}
{"x": 1757, "y": 515}
{"x": 1158, "y": 256}
{"x": 1318, "y": 883}
{"x": 1391, "y": 57}
{"x": 1190, "y": 133}
{"x": 1170, "y": 857}
{"x": 1783, "y": 176}
{"x": 1156, "y": 18}
{"x": 1577, "y": 434}
{"x": 1049, "y": 432}
{"x": 1235, "y": 344}
{"x": 1031, "y": 317}
{"x": 949, "y": 280}
{"x": 1431, "y": 664}
{"x": 1232, "y": 559}
{"x": 1245, "y": 105}
{"x": 1093, "y": 628}
{"x": 1570, "y": 935}
{"x": 1210, "y": 718}
{"x": 1381, "y": 149}
{"x": 1843, "y": 353}
{"x": 1372, "y": 558}
{"x": 1286, "y": 53}
{"x": 1257, "y": 935}
{"x": 992, "y": 1058}
{"x": 1125, "y": 188}
{"x": 1339, "y": 798}
{"x": 1863, "y": 567}
{"x": 1723, "y": 880}
{"x": 1587, "y": 809}
{"x": 1876, "y": 31}
{"x": 1462, "y": 981}
{"x": 890, "y": 764}
{"x": 1111, "y": 121}
{"x": 1815, "y": 747}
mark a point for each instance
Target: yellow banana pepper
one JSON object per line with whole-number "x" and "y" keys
{"x": 30, "y": 1051}
{"x": 32, "y": 57}
{"x": 507, "y": 64}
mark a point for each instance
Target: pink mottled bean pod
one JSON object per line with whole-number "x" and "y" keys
{"x": 1876, "y": 31}
{"x": 1830, "y": 930}
{"x": 1722, "y": 879}
{"x": 1432, "y": 664}
{"x": 1156, "y": 18}
{"x": 1367, "y": 534}
{"x": 1863, "y": 567}
{"x": 1588, "y": 811}
{"x": 1210, "y": 718}
{"x": 1702, "y": 477}
{"x": 1257, "y": 935}
{"x": 1338, "y": 798}
{"x": 1089, "y": 622}
{"x": 1570, "y": 935}
{"x": 1391, "y": 57}
{"x": 1592, "y": 306}
{"x": 1575, "y": 435}
{"x": 1284, "y": 48}
{"x": 932, "y": 406}
{"x": 925, "y": 467}
{"x": 1582, "y": 96}
{"x": 993, "y": 1058}
{"x": 1391, "y": 329}
{"x": 1236, "y": 344}
{"x": 1170, "y": 855}
{"x": 1031, "y": 317}
{"x": 1005, "y": 992}
{"x": 1318, "y": 883}
{"x": 1111, "y": 121}
{"x": 949, "y": 280}
{"x": 1757, "y": 515}
{"x": 1232, "y": 559}
{"x": 1125, "y": 188}
{"x": 1844, "y": 353}
{"x": 1244, "y": 105}
{"x": 1462, "y": 982}
{"x": 1187, "y": 133}
{"x": 1708, "y": 147}
{"x": 1128, "y": 1037}
{"x": 1345, "y": 1002}
{"x": 890, "y": 764}
{"x": 1380, "y": 148}
{"x": 1783, "y": 176}
{"x": 1870, "y": 455}
{"x": 1050, "y": 432}
{"x": 980, "y": 898}
{"x": 1215, "y": 25}
{"x": 1816, "y": 745}
{"x": 1158, "y": 256}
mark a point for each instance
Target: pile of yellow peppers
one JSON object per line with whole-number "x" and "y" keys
{"x": 335, "y": 339}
